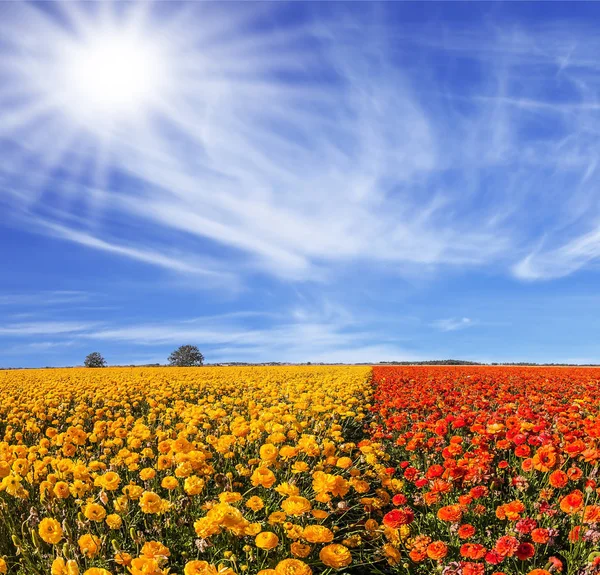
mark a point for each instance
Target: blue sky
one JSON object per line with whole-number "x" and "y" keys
{"x": 299, "y": 182}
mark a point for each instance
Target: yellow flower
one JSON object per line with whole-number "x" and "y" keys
{"x": 123, "y": 558}
{"x": 205, "y": 527}
{"x": 255, "y": 503}
{"x": 300, "y": 467}
{"x": 268, "y": 452}
{"x": 114, "y": 521}
{"x": 133, "y": 491}
{"x": 335, "y": 556}
{"x": 4, "y": 471}
{"x": 50, "y": 530}
{"x": 169, "y": 482}
{"x": 147, "y": 473}
{"x": 392, "y": 554}
{"x": 319, "y": 513}
{"x": 277, "y": 517}
{"x": 266, "y": 540}
{"x": 59, "y": 567}
{"x": 150, "y": 502}
{"x": 110, "y": 481}
{"x": 155, "y": 550}
{"x": 292, "y": 567}
{"x": 296, "y": 505}
{"x": 94, "y": 512}
{"x": 344, "y": 462}
{"x": 253, "y": 529}
{"x": 205, "y": 568}
{"x": 262, "y": 476}
{"x": 193, "y": 485}
{"x": 300, "y": 549}
{"x": 144, "y": 566}
{"x": 287, "y": 489}
{"x": 317, "y": 534}
{"x": 96, "y": 571}
{"x": 61, "y": 489}
{"x": 229, "y": 497}
{"x": 3, "y": 566}
{"x": 89, "y": 544}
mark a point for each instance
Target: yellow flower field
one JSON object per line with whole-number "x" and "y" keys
{"x": 150, "y": 471}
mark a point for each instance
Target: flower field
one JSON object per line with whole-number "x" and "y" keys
{"x": 299, "y": 470}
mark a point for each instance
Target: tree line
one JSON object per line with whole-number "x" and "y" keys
{"x": 183, "y": 356}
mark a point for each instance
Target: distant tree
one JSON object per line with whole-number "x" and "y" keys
{"x": 94, "y": 359}
{"x": 186, "y": 356}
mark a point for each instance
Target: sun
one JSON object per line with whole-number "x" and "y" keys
{"x": 111, "y": 76}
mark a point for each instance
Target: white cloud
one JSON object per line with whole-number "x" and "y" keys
{"x": 323, "y": 333}
{"x": 44, "y": 298}
{"x": 188, "y": 264}
{"x": 299, "y": 151}
{"x": 560, "y": 261}
{"x": 453, "y": 324}
{"x": 328, "y": 172}
{"x": 27, "y": 329}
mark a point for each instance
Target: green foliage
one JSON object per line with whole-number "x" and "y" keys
{"x": 186, "y": 356}
{"x": 94, "y": 359}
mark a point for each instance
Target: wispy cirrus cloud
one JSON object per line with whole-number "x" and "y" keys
{"x": 454, "y": 324}
{"x": 326, "y": 332}
{"x": 44, "y": 298}
{"x": 347, "y": 163}
{"x": 43, "y": 328}
{"x": 560, "y": 261}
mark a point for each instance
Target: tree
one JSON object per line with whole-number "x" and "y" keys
{"x": 186, "y": 356}
{"x": 94, "y": 359}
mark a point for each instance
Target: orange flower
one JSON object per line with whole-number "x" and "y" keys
{"x": 417, "y": 555}
{"x": 545, "y": 458}
{"x": 507, "y": 546}
{"x": 572, "y": 503}
{"x": 473, "y": 551}
{"x": 465, "y": 531}
{"x": 450, "y": 513}
{"x": 437, "y": 550}
{"x": 591, "y": 514}
{"x": 511, "y": 511}
{"x": 540, "y": 535}
{"x": 558, "y": 479}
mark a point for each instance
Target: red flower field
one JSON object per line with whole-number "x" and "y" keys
{"x": 500, "y": 466}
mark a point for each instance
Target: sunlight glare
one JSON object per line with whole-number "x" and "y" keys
{"x": 111, "y": 77}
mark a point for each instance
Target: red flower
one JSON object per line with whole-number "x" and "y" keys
{"x": 398, "y": 517}
{"x": 525, "y": 551}
{"x": 399, "y": 499}
{"x": 493, "y": 557}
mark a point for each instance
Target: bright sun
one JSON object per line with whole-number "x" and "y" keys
{"x": 110, "y": 77}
